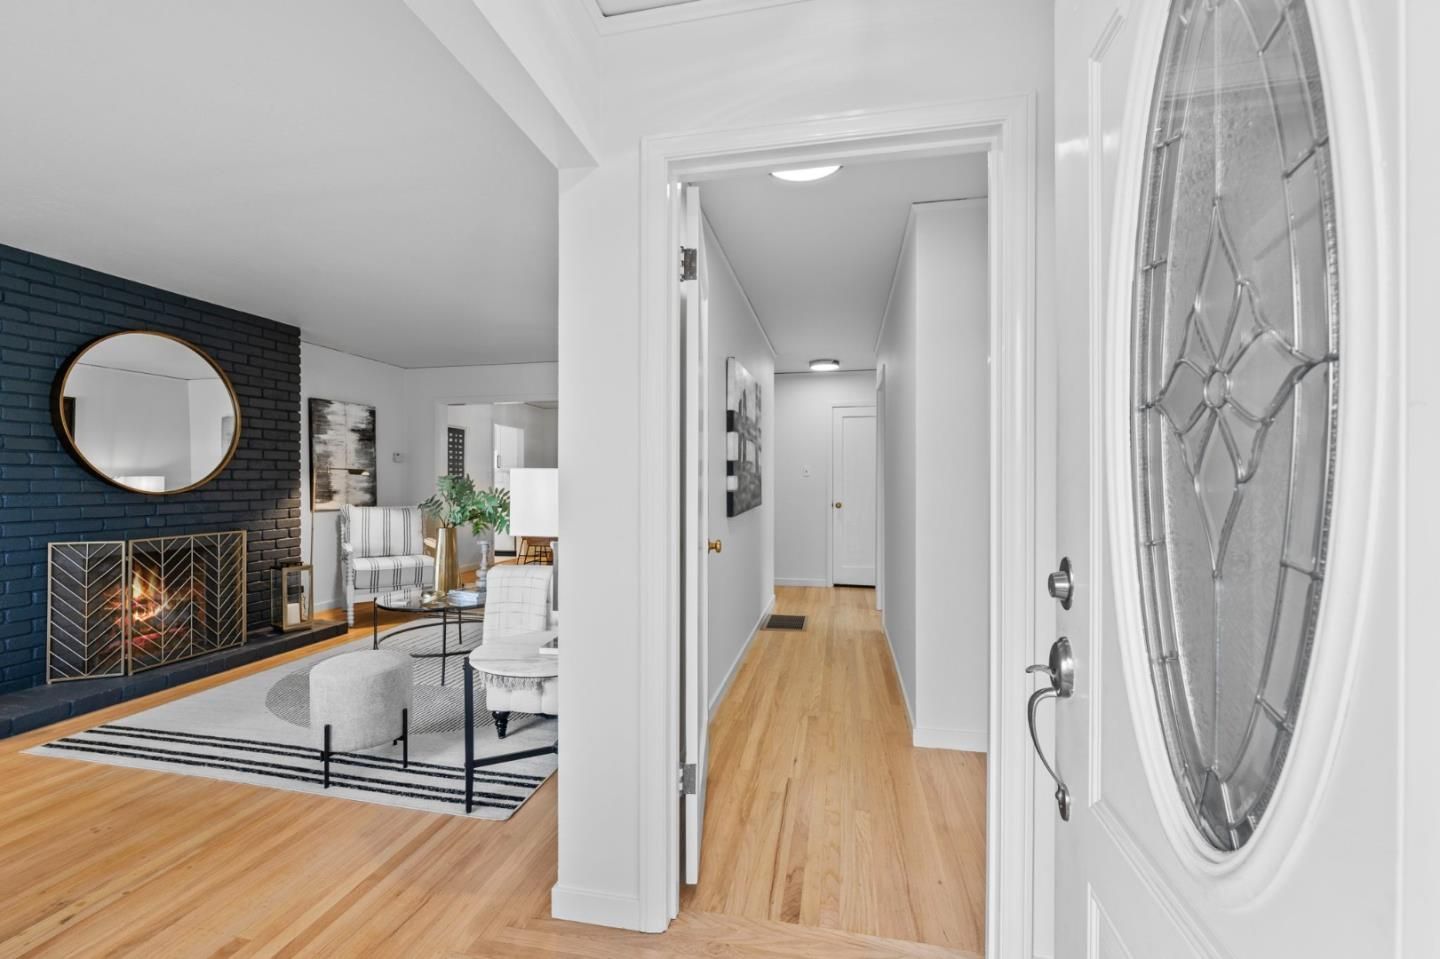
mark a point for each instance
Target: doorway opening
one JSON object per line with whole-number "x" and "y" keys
{"x": 1000, "y": 144}
{"x": 857, "y": 746}
{"x": 485, "y": 441}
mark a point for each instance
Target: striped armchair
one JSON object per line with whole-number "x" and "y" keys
{"x": 382, "y": 549}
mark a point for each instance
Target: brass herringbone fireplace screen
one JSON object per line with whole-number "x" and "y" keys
{"x": 118, "y": 607}
{"x": 87, "y": 611}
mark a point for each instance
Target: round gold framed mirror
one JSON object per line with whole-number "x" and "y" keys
{"x": 147, "y": 412}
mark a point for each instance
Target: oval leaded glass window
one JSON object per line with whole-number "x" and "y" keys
{"x": 1235, "y": 345}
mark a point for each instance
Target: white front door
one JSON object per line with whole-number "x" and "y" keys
{"x": 1230, "y": 750}
{"x": 852, "y": 501}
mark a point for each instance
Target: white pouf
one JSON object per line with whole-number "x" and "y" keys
{"x": 360, "y": 696}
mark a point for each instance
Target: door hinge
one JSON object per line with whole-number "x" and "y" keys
{"x": 686, "y": 779}
{"x": 689, "y": 258}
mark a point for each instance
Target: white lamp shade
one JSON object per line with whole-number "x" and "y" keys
{"x": 535, "y": 502}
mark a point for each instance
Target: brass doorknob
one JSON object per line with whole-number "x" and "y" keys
{"x": 716, "y": 546}
{"x": 839, "y": 505}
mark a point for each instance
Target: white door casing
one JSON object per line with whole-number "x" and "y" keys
{"x": 693, "y": 295}
{"x": 1005, "y": 127}
{"x": 1135, "y": 877}
{"x": 852, "y": 495}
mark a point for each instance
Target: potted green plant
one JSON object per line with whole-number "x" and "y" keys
{"x": 458, "y": 502}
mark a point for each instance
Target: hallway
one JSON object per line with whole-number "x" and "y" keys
{"x": 820, "y": 812}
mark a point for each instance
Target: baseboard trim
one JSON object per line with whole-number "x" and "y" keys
{"x": 814, "y": 583}
{"x": 596, "y": 908}
{"x": 895, "y": 665}
{"x": 962, "y": 740}
{"x": 719, "y": 696}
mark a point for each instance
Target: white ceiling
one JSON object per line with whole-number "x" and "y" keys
{"x": 324, "y": 163}
{"x": 817, "y": 259}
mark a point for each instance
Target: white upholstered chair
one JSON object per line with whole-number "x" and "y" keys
{"x": 382, "y": 550}
{"x": 517, "y": 624}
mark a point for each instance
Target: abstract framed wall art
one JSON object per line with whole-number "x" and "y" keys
{"x": 743, "y": 441}
{"x": 342, "y": 455}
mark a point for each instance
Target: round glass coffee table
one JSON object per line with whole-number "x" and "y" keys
{"x": 418, "y": 602}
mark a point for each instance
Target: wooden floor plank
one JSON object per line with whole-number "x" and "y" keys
{"x": 808, "y": 849}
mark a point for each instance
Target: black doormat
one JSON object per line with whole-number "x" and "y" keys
{"x": 778, "y": 621}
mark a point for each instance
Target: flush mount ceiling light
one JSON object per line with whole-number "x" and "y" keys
{"x": 807, "y": 174}
{"x": 824, "y": 366}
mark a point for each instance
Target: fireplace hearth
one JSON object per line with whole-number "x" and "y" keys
{"x": 118, "y": 608}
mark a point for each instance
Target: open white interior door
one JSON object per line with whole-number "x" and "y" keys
{"x": 1227, "y": 469}
{"x": 695, "y": 540}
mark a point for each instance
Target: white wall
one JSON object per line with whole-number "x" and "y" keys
{"x": 478, "y": 422}
{"x": 332, "y": 375}
{"x": 935, "y": 352}
{"x": 540, "y": 426}
{"x": 899, "y": 463}
{"x": 803, "y": 405}
{"x": 742, "y": 576}
{"x": 773, "y": 65}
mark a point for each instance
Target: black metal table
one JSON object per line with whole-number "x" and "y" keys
{"x": 419, "y": 603}
{"x": 471, "y": 763}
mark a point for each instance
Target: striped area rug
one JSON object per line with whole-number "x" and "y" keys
{"x": 255, "y": 730}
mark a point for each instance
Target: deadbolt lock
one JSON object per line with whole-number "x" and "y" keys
{"x": 1062, "y": 584}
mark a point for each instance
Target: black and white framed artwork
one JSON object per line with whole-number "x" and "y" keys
{"x": 742, "y": 439}
{"x": 455, "y": 450}
{"x": 342, "y": 455}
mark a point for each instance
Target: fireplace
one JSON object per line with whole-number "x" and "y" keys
{"x": 118, "y": 607}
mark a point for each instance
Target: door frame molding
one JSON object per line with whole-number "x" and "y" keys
{"x": 830, "y": 488}
{"x": 1004, "y": 128}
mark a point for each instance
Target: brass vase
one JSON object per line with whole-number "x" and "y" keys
{"x": 447, "y": 560}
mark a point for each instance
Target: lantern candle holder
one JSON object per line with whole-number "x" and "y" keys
{"x": 292, "y": 603}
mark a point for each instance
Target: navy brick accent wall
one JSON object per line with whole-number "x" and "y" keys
{"x": 48, "y": 310}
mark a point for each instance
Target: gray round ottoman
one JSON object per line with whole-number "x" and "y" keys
{"x": 359, "y": 700}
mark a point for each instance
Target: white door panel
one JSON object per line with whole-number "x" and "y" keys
{"x": 693, "y": 295}
{"x": 1137, "y": 873}
{"x": 852, "y": 504}
{"x": 1105, "y": 939}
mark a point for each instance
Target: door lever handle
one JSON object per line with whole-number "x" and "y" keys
{"x": 1061, "y": 673}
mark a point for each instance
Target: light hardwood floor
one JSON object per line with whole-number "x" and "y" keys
{"x": 106, "y": 861}
{"x": 820, "y": 812}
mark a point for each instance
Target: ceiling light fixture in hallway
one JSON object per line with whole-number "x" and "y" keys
{"x": 807, "y": 174}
